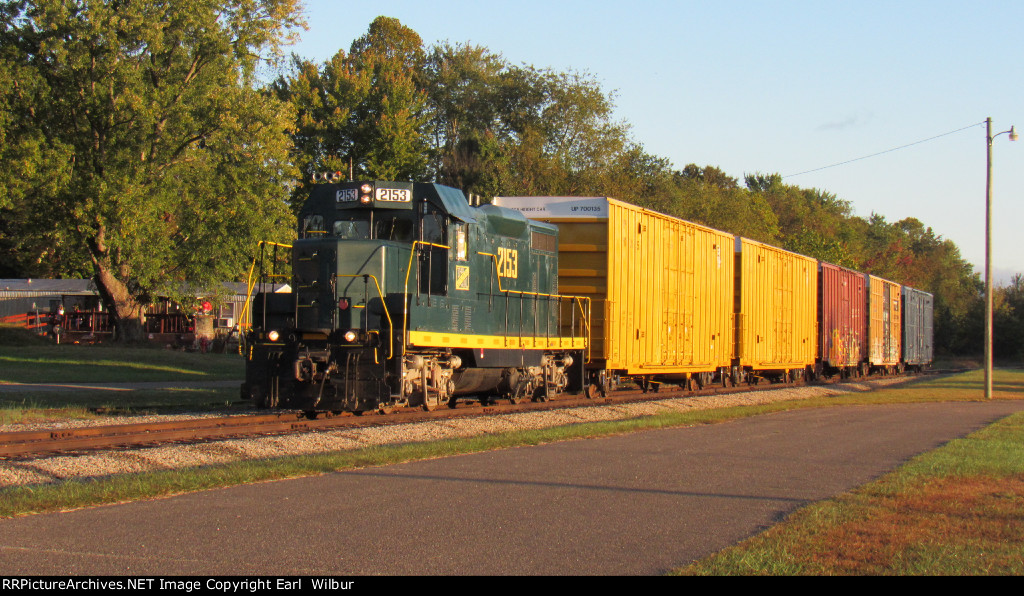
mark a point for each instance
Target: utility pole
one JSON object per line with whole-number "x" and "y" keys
{"x": 988, "y": 251}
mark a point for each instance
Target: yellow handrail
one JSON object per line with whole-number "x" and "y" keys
{"x": 405, "y": 289}
{"x": 584, "y": 313}
{"x": 244, "y": 321}
{"x": 391, "y": 325}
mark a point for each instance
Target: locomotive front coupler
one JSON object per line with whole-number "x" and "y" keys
{"x": 313, "y": 365}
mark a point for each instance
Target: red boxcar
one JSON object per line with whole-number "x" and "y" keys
{"x": 843, "y": 320}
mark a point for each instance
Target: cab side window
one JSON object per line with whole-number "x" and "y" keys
{"x": 434, "y": 259}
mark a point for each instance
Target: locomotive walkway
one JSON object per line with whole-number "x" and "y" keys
{"x": 634, "y": 504}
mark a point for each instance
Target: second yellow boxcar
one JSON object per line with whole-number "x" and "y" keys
{"x": 884, "y": 323}
{"x": 776, "y": 314}
{"x": 661, "y": 288}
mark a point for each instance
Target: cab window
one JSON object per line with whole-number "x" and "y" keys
{"x": 352, "y": 226}
{"x": 311, "y": 225}
{"x": 399, "y": 226}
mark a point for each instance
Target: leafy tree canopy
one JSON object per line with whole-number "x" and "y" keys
{"x": 136, "y": 149}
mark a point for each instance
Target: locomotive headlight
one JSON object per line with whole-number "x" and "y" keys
{"x": 350, "y": 336}
{"x": 365, "y": 199}
{"x": 273, "y": 335}
{"x": 366, "y": 189}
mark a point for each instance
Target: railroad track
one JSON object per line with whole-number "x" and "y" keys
{"x": 24, "y": 444}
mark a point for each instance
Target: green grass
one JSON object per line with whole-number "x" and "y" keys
{"x": 85, "y": 404}
{"x": 41, "y": 498}
{"x": 78, "y": 364}
{"x": 99, "y": 364}
{"x": 14, "y": 335}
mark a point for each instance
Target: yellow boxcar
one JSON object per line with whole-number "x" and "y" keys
{"x": 884, "y": 324}
{"x": 661, "y": 288}
{"x": 777, "y": 306}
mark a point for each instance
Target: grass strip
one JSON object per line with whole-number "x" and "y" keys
{"x": 38, "y": 406}
{"x": 957, "y": 510}
{"x": 98, "y": 364}
{"x": 119, "y": 488}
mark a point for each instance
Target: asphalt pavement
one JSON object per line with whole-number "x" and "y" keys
{"x": 636, "y": 504}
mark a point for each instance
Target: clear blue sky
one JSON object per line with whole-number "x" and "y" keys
{"x": 781, "y": 86}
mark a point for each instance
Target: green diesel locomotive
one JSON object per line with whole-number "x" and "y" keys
{"x": 403, "y": 294}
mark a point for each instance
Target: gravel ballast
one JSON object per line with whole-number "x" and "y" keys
{"x": 55, "y": 469}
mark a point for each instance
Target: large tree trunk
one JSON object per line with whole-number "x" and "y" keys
{"x": 129, "y": 313}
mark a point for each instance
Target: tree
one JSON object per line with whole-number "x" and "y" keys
{"x": 467, "y": 88}
{"x": 144, "y": 154}
{"x": 390, "y": 137}
{"x": 1008, "y": 324}
{"x": 365, "y": 110}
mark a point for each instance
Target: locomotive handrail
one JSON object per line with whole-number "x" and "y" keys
{"x": 585, "y": 313}
{"x": 243, "y": 319}
{"x": 405, "y": 289}
{"x": 391, "y": 325}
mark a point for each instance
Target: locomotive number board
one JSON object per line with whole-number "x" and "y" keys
{"x": 395, "y": 195}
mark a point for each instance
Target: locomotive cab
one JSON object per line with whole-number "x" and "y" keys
{"x": 403, "y": 294}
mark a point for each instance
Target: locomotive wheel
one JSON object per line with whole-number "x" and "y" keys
{"x": 385, "y": 409}
{"x": 593, "y": 391}
{"x": 431, "y": 403}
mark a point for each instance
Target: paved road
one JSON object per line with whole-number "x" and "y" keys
{"x": 637, "y": 504}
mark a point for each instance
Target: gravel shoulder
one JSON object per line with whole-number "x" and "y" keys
{"x": 55, "y": 469}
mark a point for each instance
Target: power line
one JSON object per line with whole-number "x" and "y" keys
{"x": 886, "y": 151}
